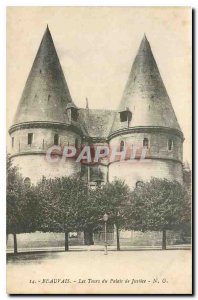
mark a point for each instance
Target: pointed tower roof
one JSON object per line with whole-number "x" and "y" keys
{"x": 145, "y": 94}
{"x": 46, "y": 93}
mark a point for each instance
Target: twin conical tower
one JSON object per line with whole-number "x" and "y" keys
{"x": 46, "y": 93}
{"x": 47, "y": 116}
{"x": 145, "y": 94}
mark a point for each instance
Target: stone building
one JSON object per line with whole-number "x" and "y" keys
{"x": 145, "y": 119}
{"x": 47, "y": 116}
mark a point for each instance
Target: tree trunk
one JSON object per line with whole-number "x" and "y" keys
{"x": 117, "y": 238}
{"x": 88, "y": 237}
{"x": 86, "y": 240}
{"x": 164, "y": 239}
{"x": 15, "y": 243}
{"x": 91, "y": 237}
{"x": 66, "y": 241}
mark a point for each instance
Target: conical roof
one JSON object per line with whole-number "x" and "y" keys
{"x": 46, "y": 93}
{"x": 145, "y": 94}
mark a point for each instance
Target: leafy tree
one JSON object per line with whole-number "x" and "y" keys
{"x": 13, "y": 197}
{"x": 187, "y": 182}
{"x": 187, "y": 176}
{"x": 60, "y": 202}
{"x": 159, "y": 205}
{"x": 113, "y": 201}
{"x": 87, "y": 211}
{"x": 68, "y": 204}
{"x": 21, "y": 204}
{"x": 90, "y": 213}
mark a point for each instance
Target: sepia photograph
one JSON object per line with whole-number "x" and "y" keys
{"x": 99, "y": 150}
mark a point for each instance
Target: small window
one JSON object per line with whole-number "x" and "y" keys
{"x": 125, "y": 116}
{"x": 76, "y": 143}
{"x": 170, "y": 145}
{"x": 121, "y": 146}
{"x": 146, "y": 143}
{"x": 74, "y": 114}
{"x": 56, "y": 138}
{"x": 12, "y": 142}
{"x": 30, "y": 138}
{"x": 139, "y": 184}
{"x": 27, "y": 181}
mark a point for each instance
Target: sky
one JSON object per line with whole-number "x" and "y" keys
{"x": 96, "y": 47}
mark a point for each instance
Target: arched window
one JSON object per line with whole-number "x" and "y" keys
{"x": 145, "y": 143}
{"x": 121, "y": 146}
{"x": 170, "y": 145}
{"x": 27, "y": 181}
{"x": 139, "y": 184}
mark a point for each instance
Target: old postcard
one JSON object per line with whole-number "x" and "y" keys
{"x": 99, "y": 124}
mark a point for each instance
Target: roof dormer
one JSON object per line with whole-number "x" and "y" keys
{"x": 126, "y": 116}
{"x": 72, "y": 112}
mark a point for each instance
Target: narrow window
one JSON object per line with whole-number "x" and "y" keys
{"x": 56, "y": 138}
{"x": 146, "y": 143}
{"x": 12, "y": 142}
{"x": 170, "y": 145}
{"x": 76, "y": 143}
{"x": 121, "y": 146}
{"x": 30, "y": 138}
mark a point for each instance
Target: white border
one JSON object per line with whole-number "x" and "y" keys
{"x": 3, "y": 4}
{"x": 100, "y": 3}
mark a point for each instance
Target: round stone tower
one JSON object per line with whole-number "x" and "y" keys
{"x": 46, "y": 116}
{"x": 146, "y": 123}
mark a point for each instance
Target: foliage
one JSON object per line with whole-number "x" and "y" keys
{"x": 21, "y": 202}
{"x": 159, "y": 205}
{"x": 114, "y": 197}
{"x": 89, "y": 210}
{"x": 66, "y": 205}
{"x": 187, "y": 176}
